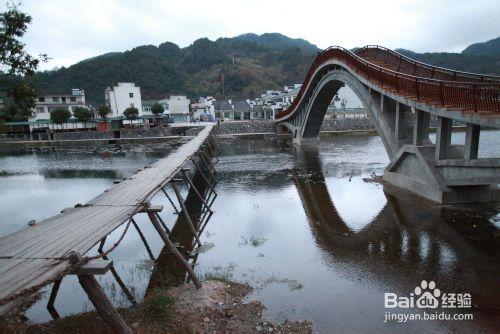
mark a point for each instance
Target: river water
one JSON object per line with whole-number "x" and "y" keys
{"x": 305, "y": 227}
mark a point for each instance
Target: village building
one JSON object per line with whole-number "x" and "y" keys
{"x": 123, "y": 96}
{"x": 177, "y": 107}
{"x": 45, "y": 103}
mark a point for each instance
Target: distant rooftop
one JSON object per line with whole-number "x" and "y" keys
{"x": 222, "y": 105}
{"x": 241, "y": 106}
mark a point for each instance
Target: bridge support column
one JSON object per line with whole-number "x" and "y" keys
{"x": 403, "y": 124}
{"x": 471, "y": 141}
{"x": 443, "y": 137}
{"x": 421, "y": 127}
{"x": 306, "y": 141}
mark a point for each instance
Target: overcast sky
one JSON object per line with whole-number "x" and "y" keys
{"x": 70, "y": 31}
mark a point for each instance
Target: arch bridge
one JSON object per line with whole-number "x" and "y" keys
{"x": 401, "y": 95}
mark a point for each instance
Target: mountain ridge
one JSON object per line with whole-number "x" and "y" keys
{"x": 250, "y": 64}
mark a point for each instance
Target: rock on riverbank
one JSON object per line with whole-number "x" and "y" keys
{"x": 218, "y": 306}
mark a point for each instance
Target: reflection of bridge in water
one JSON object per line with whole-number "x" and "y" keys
{"x": 408, "y": 239}
{"x": 401, "y": 95}
{"x": 168, "y": 271}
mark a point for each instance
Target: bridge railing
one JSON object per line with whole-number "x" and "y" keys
{"x": 410, "y": 66}
{"x": 474, "y": 96}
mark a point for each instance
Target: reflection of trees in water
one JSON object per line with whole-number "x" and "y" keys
{"x": 409, "y": 239}
{"x": 168, "y": 271}
{"x": 84, "y": 173}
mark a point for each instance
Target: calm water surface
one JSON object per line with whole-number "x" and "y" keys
{"x": 303, "y": 226}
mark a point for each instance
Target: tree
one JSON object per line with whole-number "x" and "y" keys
{"x": 16, "y": 63}
{"x": 131, "y": 113}
{"x": 82, "y": 114}
{"x": 157, "y": 109}
{"x": 14, "y": 60}
{"x": 103, "y": 111}
{"x": 60, "y": 115}
{"x": 20, "y": 97}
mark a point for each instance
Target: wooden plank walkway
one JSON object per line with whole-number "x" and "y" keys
{"x": 39, "y": 253}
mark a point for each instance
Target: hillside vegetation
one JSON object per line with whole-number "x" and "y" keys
{"x": 250, "y": 64}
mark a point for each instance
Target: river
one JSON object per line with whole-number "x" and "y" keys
{"x": 305, "y": 227}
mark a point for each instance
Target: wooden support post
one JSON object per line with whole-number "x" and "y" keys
{"x": 100, "y": 301}
{"x": 443, "y": 137}
{"x": 202, "y": 159}
{"x": 109, "y": 266}
{"x": 211, "y": 139}
{"x": 174, "y": 250}
{"x": 207, "y": 211}
{"x": 148, "y": 249}
{"x": 471, "y": 141}
{"x": 185, "y": 212}
{"x": 163, "y": 223}
{"x": 204, "y": 176}
{"x": 203, "y": 224}
{"x": 212, "y": 153}
{"x": 170, "y": 200}
{"x": 102, "y": 304}
{"x": 52, "y": 299}
{"x": 195, "y": 190}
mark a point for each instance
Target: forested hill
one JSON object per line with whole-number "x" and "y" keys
{"x": 250, "y": 63}
{"x": 476, "y": 58}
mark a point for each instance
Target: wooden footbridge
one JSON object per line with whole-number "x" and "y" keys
{"x": 47, "y": 251}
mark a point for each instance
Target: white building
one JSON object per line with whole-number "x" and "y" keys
{"x": 123, "y": 96}
{"x": 47, "y": 102}
{"x": 204, "y": 109}
{"x": 177, "y": 107}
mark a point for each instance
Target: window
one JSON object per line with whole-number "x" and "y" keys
{"x": 52, "y": 108}
{"x": 131, "y": 105}
{"x": 41, "y": 99}
{"x": 131, "y": 95}
{"x": 72, "y": 99}
{"x": 63, "y": 99}
{"x": 40, "y": 110}
{"x": 55, "y": 99}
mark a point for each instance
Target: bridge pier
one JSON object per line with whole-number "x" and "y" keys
{"x": 442, "y": 172}
{"x": 401, "y": 108}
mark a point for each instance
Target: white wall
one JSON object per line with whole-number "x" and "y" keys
{"x": 119, "y": 98}
{"x": 43, "y": 108}
{"x": 178, "y": 104}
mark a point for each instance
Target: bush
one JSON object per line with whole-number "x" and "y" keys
{"x": 82, "y": 114}
{"x": 157, "y": 109}
{"x": 131, "y": 113}
{"x": 60, "y": 115}
{"x": 103, "y": 111}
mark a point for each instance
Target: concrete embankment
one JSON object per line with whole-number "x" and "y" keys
{"x": 226, "y": 129}
{"x": 253, "y": 128}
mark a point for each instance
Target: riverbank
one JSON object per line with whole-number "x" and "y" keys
{"x": 219, "y": 306}
{"x": 143, "y": 135}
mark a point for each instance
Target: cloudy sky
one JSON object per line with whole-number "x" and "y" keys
{"x": 70, "y": 31}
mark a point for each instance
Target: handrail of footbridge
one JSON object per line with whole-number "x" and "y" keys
{"x": 425, "y": 70}
{"x": 39, "y": 254}
{"x": 457, "y": 95}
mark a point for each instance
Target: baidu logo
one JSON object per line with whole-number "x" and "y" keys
{"x": 427, "y": 296}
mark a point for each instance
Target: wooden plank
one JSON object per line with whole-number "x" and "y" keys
{"x": 94, "y": 267}
{"x": 38, "y": 253}
{"x": 153, "y": 208}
